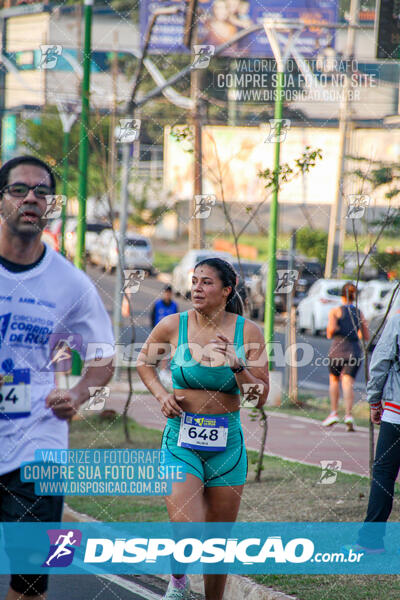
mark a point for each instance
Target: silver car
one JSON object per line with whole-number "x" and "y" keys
{"x": 182, "y": 274}
{"x": 138, "y": 252}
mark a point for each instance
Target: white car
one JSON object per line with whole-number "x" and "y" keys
{"x": 182, "y": 273}
{"x": 375, "y": 296}
{"x": 138, "y": 251}
{"x": 92, "y": 233}
{"x": 313, "y": 310}
{"x": 375, "y": 321}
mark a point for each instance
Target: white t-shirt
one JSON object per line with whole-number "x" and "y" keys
{"x": 388, "y": 416}
{"x": 52, "y": 301}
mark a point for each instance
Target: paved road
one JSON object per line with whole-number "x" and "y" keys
{"x": 296, "y": 438}
{"x": 311, "y": 376}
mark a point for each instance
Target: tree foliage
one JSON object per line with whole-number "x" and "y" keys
{"x": 312, "y": 243}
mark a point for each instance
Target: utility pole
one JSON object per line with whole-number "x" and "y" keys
{"x": 336, "y": 218}
{"x": 84, "y": 140}
{"x": 68, "y": 115}
{"x": 196, "y": 226}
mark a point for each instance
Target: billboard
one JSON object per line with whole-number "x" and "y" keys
{"x": 220, "y": 20}
{"x": 241, "y": 153}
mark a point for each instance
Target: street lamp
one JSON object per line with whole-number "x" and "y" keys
{"x": 270, "y": 26}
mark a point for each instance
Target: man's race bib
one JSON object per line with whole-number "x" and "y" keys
{"x": 203, "y": 432}
{"x": 15, "y": 394}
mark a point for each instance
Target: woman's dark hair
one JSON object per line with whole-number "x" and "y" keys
{"x": 229, "y": 277}
{"x": 24, "y": 160}
{"x": 349, "y": 291}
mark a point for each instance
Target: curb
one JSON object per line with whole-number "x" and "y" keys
{"x": 237, "y": 587}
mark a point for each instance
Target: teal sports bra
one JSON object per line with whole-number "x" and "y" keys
{"x": 187, "y": 373}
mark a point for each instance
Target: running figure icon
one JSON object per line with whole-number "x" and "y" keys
{"x": 62, "y": 549}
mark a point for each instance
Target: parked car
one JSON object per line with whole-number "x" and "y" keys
{"x": 93, "y": 229}
{"x": 377, "y": 317}
{"x": 247, "y": 271}
{"x": 138, "y": 251}
{"x": 309, "y": 270}
{"x": 374, "y": 297}
{"x": 182, "y": 273}
{"x": 313, "y": 310}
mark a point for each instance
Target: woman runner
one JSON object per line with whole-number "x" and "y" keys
{"x": 346, "y": 325}
{"x": 209, "y": 367}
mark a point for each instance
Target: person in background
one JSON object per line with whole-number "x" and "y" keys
{"x": 163, "y": 307}
{"x": 346, "y": 326}
{"x": 383, "y": 385}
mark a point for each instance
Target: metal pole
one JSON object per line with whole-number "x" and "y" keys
{"x": 288, "y": 336}
{"x": 334, "y": 243}
{"x": 121, "y": 245}
{"x": 64, "y": 189}
{"x": 273, "y": 223}
{"x": 84, "y": 140}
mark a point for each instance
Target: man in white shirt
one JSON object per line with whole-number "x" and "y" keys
{"x": 42, "y": 297}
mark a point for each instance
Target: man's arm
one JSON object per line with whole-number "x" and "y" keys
{"x": 382, "y": 359}
{"x": 65, "y": 403}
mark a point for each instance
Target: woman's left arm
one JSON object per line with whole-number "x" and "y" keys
{"x": 256, "y": 368}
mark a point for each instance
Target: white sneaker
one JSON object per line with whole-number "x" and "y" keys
{"x": 349, "y": 422}
{"x": 330, "y": 420}
{"x": 174, "y": 593}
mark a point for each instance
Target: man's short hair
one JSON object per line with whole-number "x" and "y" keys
{"x": 24, "y": 160}
{"x": 167, "y": 288}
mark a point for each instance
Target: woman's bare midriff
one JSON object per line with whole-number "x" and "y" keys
{"x": 207, "y": 402}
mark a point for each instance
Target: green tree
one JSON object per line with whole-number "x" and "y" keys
{"x": 44, "y": 139}
{"x": 312, "y": 243}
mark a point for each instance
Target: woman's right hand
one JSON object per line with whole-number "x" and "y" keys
{"x": 169, "y": 406}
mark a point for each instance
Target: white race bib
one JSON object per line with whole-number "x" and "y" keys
{"x": 15, "y": 394}
{"x": 203, "y": 432}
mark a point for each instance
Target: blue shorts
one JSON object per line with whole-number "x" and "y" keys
{"x": 226, "y": 468}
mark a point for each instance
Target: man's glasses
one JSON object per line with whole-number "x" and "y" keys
{"x": 21, "y": 190}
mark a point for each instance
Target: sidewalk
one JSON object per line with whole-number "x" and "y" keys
{"x": 290, "y": 437}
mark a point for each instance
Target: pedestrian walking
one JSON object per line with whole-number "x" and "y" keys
{"x": 383, "y": 395}
{"x": 42, "y": 297}
{"x": 346, "y": 325}
{"x": 161, "y": 308}
{"x": 214, "y": 352}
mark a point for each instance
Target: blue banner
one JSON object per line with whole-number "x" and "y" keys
{"x": 151, "y": 548}
{"x": 102, "y": 472}
{"x": 220, "y": 20}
